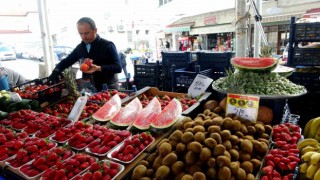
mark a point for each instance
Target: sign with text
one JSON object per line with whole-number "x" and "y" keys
{"x": 77, "y": 108}
{"x": 199, "y": 85}
{"x": 210, "y": 20}
{"x": 244, "y": 106}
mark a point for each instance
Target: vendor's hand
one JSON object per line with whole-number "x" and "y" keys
{"x": 93, "y": 69}
{"x": 55, "y": 76}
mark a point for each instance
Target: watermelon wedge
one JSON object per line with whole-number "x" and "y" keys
{"x": 109, "y": 109}
{"x": 254, "y": 64}
{"x": 127, "y": 114}
{"x": 168, "y": 117}
{"x": 147, "y": 115}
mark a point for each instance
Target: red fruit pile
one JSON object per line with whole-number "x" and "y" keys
{"x": 104, "y": 96}
{"x": 102, "y": 170}
{"x": 69, "y": 168}
{"x": 19, "y": 119}
{"x": 46, "y": 160}
{"x": 10, "y": 142}
{"x": 66, "y": 133}
{"x": 31, "y": 92}
{"x": 51, "y": 126}
{"x": 64, "y": 108}
{"x": 108, "y": 141}
{"x": 82, "y": 139}
{"x": 131, "y": 147}
{"x": 282, "y": 160}
{"x": 29, "y": 150}
{"x": 186, "y": 101}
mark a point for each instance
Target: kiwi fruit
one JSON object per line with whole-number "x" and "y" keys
{"x": 179, "y": 126}
{"x": 199, "y": 176}
{"x": 227, "y": 144}
{"x": 211, "y": 162}
{"x": 223, "y": 161}
{"x": 162, "y": 172}
{"x": 218, "y": 110}
{"x": 176, "y": 136}
{"x": 217, "y": 120}
{"x": 198, "y": 128}
{"x": 164, "y": 149}
{"x": 187, "y": 137}
{"x": 211, "y": 173}
{"x": 268, "y": 129}
{"x": 227, "y": 123}
{"x": 259, "y": 128}
{"x": 205, "y": 154}
{"x": 145, "y": 178}
{"x": 193, "y": 169}
{"x": 234, "y": 155}
{"x": 234, "y": 167}
{"x": 188, "y": 130}
{"x": 256, "y": 163}
{"x": 243, "y": 129}
{"x": 239, "y": 134}
{"x": 144, "y": 162}
{"x": 157, "y": 162}
{"x": 264, "y": 140}
{"x": 214, "y": 129}
{"x": 210, "y": 143}
{"x": 251, "y": 130}
{"x": 213, "y": 115}
{"x": 202, "y": 116}
{"x": 236, "y": 125}
{"x": 177, "y": 167}
{"x": 217, "y": 137}
{"x": 162, "y": 141}
{"x": 139, "y": 172}
{"x": 194, "y": 147}
{"x": 265, "y": 136}
{"x": 224, "y": 173}
{"x": 247, "y": 166}
{"x": 190, "y": 157}
{"x": 188, "y": 125}
{"x": 234, "y": 140}
{"x": 150, "y": 172}
{"x": 244, "y": 156}
{"x": 179, "y": 176}
{"x": 187, "y": 177}
{"x": 207, "y": 123}
{"x": 248, "y": 137}
{"x": 210, "y": 105}
{"x": 169, "y": 159}
{"x": 246, "y": 146}
{"x": 151, "y": 158}
{"x": 241, "y": 175}
{"x": 219, "y": 150}
{"x": 173, "y": 144}
{"x": 186, "y": 119}
{"x": 206, "y": 111}
{"x": 250, "y": 177}
{"x": 198, "y": 122}
{"x": 225, "y": 135}
{"x": 180, "y": 147}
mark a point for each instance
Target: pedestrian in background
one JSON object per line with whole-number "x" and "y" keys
{"x": 123, "y": 56}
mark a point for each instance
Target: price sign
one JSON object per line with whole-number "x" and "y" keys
{"x": 77, "y": 108}
{"x": 199, "y": 85}
{"x": 243, "y": 106}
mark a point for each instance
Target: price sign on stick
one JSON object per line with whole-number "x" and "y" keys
{"x": 199, "y": 85}
{"x": 77, "y": 108}
{"x": 243, "y": 106}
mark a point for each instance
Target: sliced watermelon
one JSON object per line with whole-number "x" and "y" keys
{"x": 254, "y": 64}
{"x": 147, "y": 115}
{"x": 127, "y": 114}
{"x": 109, "y": 109}
{"x": 168, "y": 117}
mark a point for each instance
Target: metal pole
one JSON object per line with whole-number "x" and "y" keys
{"x": 257, "y": 32}
{"x": 258, "y": 19}
{"x": 43, "y": 37}
{"x": 241, "y": 29}
{"x": 49, "y": 37}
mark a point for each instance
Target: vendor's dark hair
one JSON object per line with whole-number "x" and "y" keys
{"x": 89, "y": 21}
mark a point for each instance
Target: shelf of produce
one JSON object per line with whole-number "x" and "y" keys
{"x": 153, "y": 91}
{"x": 130, "y": 166}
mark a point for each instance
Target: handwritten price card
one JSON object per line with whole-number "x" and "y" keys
{"x": 243, "y": 106}
{"x": 199, "y": 85}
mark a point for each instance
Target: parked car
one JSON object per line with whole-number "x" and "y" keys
{"x": 60, "y": 52}
{"x": 7, "y": 53}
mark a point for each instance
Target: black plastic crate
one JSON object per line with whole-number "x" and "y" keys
{"x": 209, "y": 60}
{"x": 306, "y": 57}
{"x": 184, "y": 77}
{"x": 142, "y": 81}
{"x": 167, "y": 69}
{"x": 148, "y": 69}
{"x": 44, "y": 94}
{"x": 178, "y": 56}
{"x": 309, "y": 32}
{"x": 309, "y": 80}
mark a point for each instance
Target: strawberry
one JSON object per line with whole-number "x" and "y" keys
{"x": 84, "y": 165}
{"x": 114, "y": 165}
{"x": 282, "y": 166}
{"x": 87, "y": 176}
{"x": 114, "y": 154}
{"x": 275, "y": 173}
{"x": 276, "y": 160}
{"x": 96, "y": 175}
{"x": 128, "y": 149}
{"x": 39, "y": 161}
{"x": 264, "y": 178}
{"x": 136, "y": 142}
{"x": 52, "y": 157}
{"x": 267, "y": 170}
{"x": 280, "y": 143}
{"x": 113, "y": 172}
{"x": 292, "y": 165}
{"x": 94, "y": 167}
{"x": 270, "y": 163}
{"x": 141, "y": 147}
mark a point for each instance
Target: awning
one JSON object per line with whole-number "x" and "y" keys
{"x": 185, "y": 27}
{"x": 283, "y": 17}
{"x": 213, "y": 29}
{"x": 312, "y": 13}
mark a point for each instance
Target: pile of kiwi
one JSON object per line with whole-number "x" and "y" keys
{"x": 208, "y": 147}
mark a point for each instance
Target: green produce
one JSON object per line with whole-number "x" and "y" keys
{"x": 257, "y": 83}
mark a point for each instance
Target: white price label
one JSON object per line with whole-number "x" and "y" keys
{"x": 15, "y": 96}
{"x": 199, "y": 85}
{"x": 243, "y": 106}
{"x": 77, "y": 108}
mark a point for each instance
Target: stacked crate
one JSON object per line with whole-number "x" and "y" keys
{"x": 147, "y": 74}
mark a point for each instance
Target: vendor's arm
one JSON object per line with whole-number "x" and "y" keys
{"x": 113, "y": 59}
{"x": 68, "y": 61}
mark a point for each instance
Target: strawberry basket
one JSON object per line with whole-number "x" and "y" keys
{"x": 40, "y": 89}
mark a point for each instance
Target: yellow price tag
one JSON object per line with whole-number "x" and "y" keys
{"x": 244, "y": 106}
